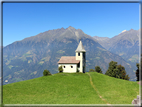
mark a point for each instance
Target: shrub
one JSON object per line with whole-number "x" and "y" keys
{"x": 98, "y": 69}
{"x": 60, "y": 69}
{"x": 91, "y": 70}
{"x": 46, "y": 72}
{"x": 77, "y": 70}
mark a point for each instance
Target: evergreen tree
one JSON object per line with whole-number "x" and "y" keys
{"x": 122, "y": 73}
{"x": 117, "y": 71}
{"x": 137, "y": 71}
{"x": 112, "y": 69}
{"x": 98, "y": 69}
{"x": 127, "y": 77}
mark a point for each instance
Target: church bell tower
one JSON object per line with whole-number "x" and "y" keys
{"x": 81, "y": 55}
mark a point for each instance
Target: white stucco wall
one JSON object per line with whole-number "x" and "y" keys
{"x": 81, "y": 60}
{"x": 68, "y": 68}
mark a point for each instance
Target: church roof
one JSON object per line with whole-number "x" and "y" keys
{"x": 80, "y": 48}
{"x": 68, "y": 60}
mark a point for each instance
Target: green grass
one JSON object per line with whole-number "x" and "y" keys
{"x": 65, "y": 88}
{"x": 115, "y": 91}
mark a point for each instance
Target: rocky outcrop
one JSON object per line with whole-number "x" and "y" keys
{"x": 137, "y": 102}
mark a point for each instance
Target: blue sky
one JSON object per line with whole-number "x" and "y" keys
{"x": 22, "y": 20}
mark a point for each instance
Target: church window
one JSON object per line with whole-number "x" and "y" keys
{"x": 71, "y": 66}
{"x": 78, "y": 54}
{"x": 64, "y": 67}
{"x": 78, "y": 65}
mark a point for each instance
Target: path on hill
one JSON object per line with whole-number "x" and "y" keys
{"x": 91, "y": 82}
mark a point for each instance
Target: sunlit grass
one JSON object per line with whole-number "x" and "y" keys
{"x": 65, "y": 88}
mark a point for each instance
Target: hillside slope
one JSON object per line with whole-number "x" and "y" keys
{"x": 65, "y": 88}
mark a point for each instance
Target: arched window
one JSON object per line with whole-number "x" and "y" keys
{"x": 78, "y": 53}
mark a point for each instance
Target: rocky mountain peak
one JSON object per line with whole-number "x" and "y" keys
{"x": 131, "y": 30}
{"x": 71, "y": 28}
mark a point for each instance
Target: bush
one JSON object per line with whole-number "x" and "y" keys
{"x": 98, "y": 69}
{"x": 91, "y": 70}
{"x": 46, "y": 72}
{"x": 77, "y": 70}
{"x": 60, "y": 69}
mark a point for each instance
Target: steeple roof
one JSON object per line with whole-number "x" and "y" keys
{"x": 80, "y": 47}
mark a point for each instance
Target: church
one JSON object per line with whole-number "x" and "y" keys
{"x": 70, "y": 64}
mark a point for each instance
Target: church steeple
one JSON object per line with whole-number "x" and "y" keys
{"x": 80, "y": 55}
{"x": 80, "y": 47}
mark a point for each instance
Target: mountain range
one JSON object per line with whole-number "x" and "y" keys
{"x": 126, "y": 44}
{"x": 26, "y": 59}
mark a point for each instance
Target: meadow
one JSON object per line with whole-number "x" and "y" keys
{"x": 71, "y": 88}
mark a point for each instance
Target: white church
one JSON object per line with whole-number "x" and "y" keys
{"x": 70, "y": 64}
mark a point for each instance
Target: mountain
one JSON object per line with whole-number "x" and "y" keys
{"x": 126, "y": 44}
{"x": 101, "y": 39}
{"x": 73, "y": 88}
{"x": 26, "y": 59}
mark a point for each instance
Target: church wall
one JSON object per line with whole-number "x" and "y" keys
{"x": 68, "y": 68}
{"x": 81, "y": 60}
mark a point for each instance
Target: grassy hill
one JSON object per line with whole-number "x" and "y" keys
{"x": 65, "y": 88}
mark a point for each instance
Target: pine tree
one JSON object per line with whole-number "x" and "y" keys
{"x": 112, "y": 69}
{"x": 137, "y": 71}
{"x": 117, "y": 71}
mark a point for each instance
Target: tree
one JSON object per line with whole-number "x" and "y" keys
{"x": 91, "y": 70}
{"x": 98, "y": 69}
{"x": 127, "y": 77}
{"x": 122, "y": 73}
{"x": 112, "y": 69}
{"x": 137, "y": 71}
{"x": 60, "y": 69}
{"x": 117, "y": 71}
{"x": 46, "y": 72}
